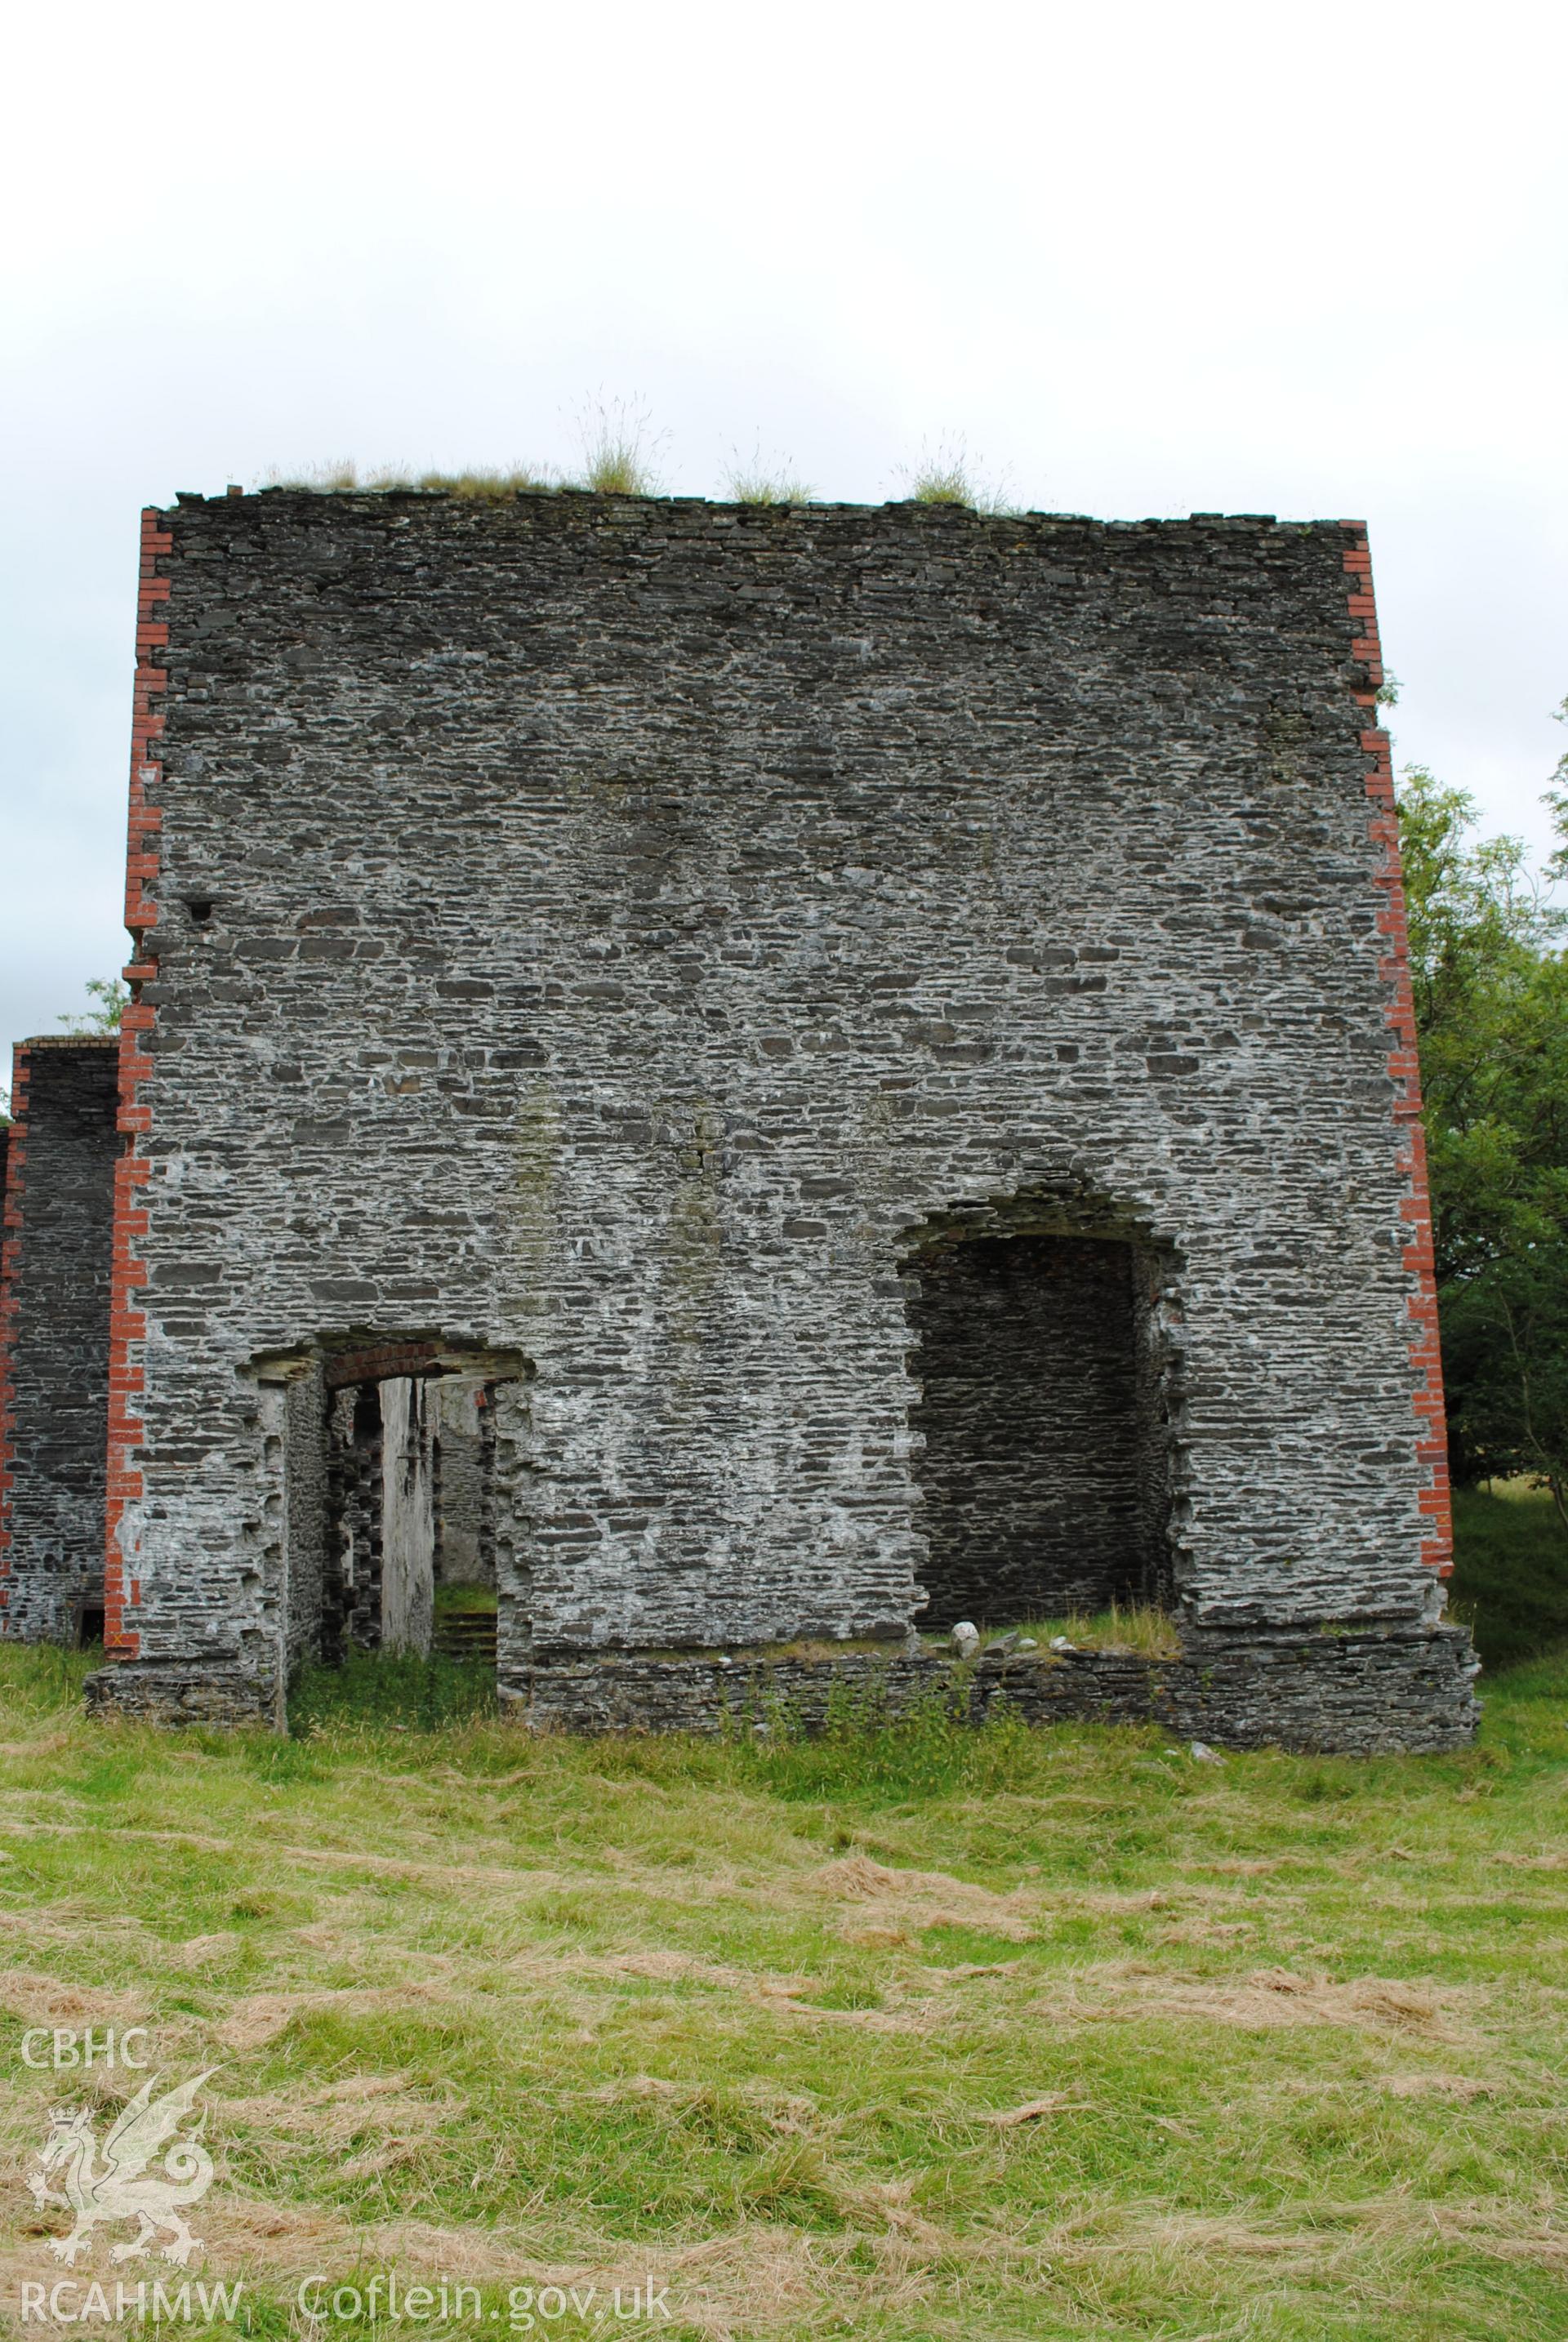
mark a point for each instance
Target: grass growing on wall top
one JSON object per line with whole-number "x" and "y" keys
{"x": 1138, "y": 1628}
{"x": 621, "y": 448}
{"x": 621, "y": 455}
{"x": 947, "y": 473}
{"x": 479, "y": 485}
{"x": 751, "y": 480}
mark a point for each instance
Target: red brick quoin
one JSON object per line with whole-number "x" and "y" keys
{"x": 1437, "y": 1544}
{"x": 127, "y": 1322}
{"x": 10, "y": 1268}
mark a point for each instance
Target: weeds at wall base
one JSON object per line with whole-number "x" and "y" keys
{"x": 399, "y": 1691}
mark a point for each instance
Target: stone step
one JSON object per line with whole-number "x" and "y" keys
{"x": 466, "y": 1635}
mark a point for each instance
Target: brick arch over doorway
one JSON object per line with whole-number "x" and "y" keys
{"x": 1047, "y": 1455}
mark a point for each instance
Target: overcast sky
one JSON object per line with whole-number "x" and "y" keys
{"x": 1299, "y": 259}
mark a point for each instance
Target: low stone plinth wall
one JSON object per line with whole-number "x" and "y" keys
{"x": 183, "y": 1691}
{"x": 1357, "y": 1691}
{"x": 1363, "y": 1692}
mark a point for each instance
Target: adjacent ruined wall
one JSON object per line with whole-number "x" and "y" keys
{"x": 55, "y": 1331}
{"x": 618, "y": 928}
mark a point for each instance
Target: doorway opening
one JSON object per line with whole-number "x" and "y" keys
{"x": 389, "y": 1519}
{"x": 411, "y": 1499}
{"x": 1045, "y": 1459}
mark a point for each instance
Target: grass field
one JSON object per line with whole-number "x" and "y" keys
{"x": 1510, "y": 1575}
{"x": 926, "y": 2033}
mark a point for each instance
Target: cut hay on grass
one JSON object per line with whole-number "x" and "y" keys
{"x": 913, "y": 2033}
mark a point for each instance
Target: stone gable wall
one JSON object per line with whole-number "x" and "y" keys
{"x": 622, "y": 930}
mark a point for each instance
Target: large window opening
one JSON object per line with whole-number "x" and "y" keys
{"x": 1045, "y": 1458}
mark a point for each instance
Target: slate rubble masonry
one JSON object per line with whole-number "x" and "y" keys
{"x": 630, "y": 936}
{"x": 54, "y": 1333}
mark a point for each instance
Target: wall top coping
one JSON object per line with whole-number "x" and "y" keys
{"x": 579, "y": 501}
{"x": 71, "y": 1041}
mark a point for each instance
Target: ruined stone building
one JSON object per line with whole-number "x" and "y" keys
{"x": 764, "y": 1081}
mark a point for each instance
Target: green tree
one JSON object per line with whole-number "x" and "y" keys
{"x": 108, "y": 996}
{"x": 1490, "y": 974}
